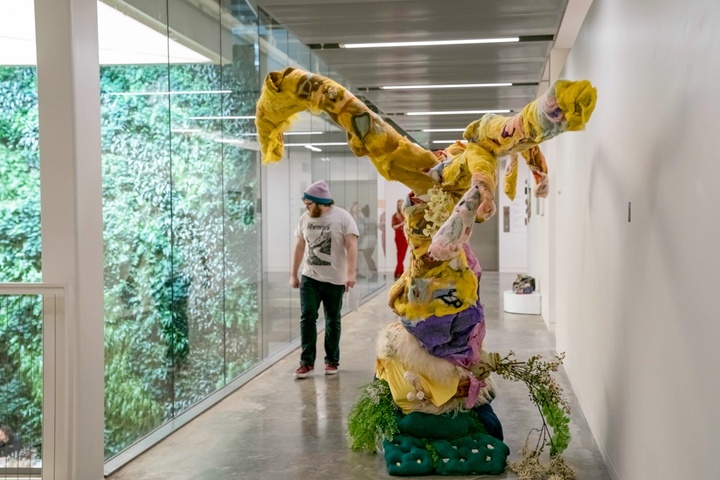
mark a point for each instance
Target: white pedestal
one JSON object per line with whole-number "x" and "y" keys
{"x": 525, "y": 303}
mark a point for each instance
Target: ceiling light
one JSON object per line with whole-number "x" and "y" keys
{"x": 313, "y": 148}
{"x": 430, "y": 43}
{"x": 457, "y": 112}
{"x": 288, "y": 133}
{"x": 179, "y": 92}
{"x": 430, "y": 130}
{"x": 316, "y": 144}
{"x": 228, "y": 117}
{"x": 457, "y": 85}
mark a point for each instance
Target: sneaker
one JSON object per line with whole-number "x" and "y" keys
{"x": 330, "y": 369}
{"x": 303, "y": 371}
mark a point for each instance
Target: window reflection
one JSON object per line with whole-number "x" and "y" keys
{"x": 198, "y": 237}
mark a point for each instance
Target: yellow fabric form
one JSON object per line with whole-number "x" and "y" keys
{"x": 393, "y": 372}
{"x": 511, "y": 172}
{"x": 538, "y": 167}
{"x": 413, "y": 296}
{"x": 456, "y": 177}
{"x": 536, "y": 162}
{"x": 566, "y": 106}
{"x": 428, "y": 287}
{"x": 291, "y": 91}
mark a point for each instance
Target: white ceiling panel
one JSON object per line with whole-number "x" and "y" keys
{"x": 323, "y": 25}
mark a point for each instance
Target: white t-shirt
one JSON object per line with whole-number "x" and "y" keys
{"x": 325, "y": 258}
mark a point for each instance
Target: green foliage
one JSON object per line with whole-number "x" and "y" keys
{"x": 20, "y": 367}
{"x": 20, "y": 317}
{"x": 373, "y": 417}
{"x": 546, "y": 394}
{"x": 19, "y": 177}
{"x": 560, "y": 424}
{"x": 181, "y": 243}
{"x": 178, "y": 268}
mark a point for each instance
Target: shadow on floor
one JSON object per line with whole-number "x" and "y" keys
{"x": 275, "y": 427}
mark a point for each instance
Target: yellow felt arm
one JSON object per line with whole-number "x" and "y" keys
{"x": 566, "y": 106}
{"x": 286, "y": 93}
{"x": 538, "y": 167}
{"x": 511, "y": 172}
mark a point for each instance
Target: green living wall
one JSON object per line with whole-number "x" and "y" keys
{"x": 182, "y": 273}
{"x": 20, "y": 334}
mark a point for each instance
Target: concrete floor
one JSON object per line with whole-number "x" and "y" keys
{"x": 276, "y": 427}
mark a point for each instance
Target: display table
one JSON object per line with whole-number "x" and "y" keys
{"x": 525, "y": 303}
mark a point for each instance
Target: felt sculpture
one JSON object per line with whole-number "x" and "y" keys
{"x": 433, "y": 358}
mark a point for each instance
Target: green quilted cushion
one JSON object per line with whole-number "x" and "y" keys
{"x": 407, "y": 456}
{"x": 448, "y": 426}
{"x": 477, "y": 454}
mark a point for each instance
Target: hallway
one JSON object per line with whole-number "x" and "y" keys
{"x": 276, "y": 427}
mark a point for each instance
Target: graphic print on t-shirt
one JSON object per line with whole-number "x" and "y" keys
{"x": 320, "y": 243}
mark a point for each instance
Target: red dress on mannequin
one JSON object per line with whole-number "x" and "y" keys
{"x": 398, "y": 224}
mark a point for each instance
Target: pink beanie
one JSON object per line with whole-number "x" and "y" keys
{"x": 318, "y": 192}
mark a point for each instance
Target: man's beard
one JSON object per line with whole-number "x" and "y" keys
{"x": 315, "y": 211}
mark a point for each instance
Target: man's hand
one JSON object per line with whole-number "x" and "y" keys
{"x": 349, "y": 281}
{"x": 294, "y": 282}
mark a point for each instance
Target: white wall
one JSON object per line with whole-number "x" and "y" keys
{"x": 541, "y": 238}
{"x": 638, "y": 302}
{"x": 283, "y": 185}
{"x": 512, "y": 249}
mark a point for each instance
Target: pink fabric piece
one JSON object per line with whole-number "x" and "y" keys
{"x": 473, "y": 262}
{"x": 475, "y": 342}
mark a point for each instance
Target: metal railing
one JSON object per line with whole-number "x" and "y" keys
{"x": 30, "y": 314}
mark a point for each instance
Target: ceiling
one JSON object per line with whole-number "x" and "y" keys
{"x": 323, "y": 25}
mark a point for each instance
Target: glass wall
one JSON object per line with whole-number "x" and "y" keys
{"x": 198, "y": 236}
{"x": 20, "y": 316}
{"x": 182, "y": 239}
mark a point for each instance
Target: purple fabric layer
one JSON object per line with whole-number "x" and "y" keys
{"x": 456, "y": 338}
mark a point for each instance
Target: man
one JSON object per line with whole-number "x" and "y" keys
{"x": 327, "y": 242}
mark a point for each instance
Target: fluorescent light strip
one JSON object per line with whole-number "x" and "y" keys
{"x": 288, "y": 133}
{"x": 457, "y": 112}
{"x": 431, "y": 130}
{"x": 430, "y": 43}
{"x": 313, "y": 148}
{"x": 458, "y": 85}
{"x": 239, "y": 117}
{"x": 179, "y": 92}
{"x": 316, "y": 144}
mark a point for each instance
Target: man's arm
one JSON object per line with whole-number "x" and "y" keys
{"x": 351, "y": 251}
{"x": 296, "y": 261}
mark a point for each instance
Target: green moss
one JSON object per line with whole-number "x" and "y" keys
{"x": 373, "y": 417}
